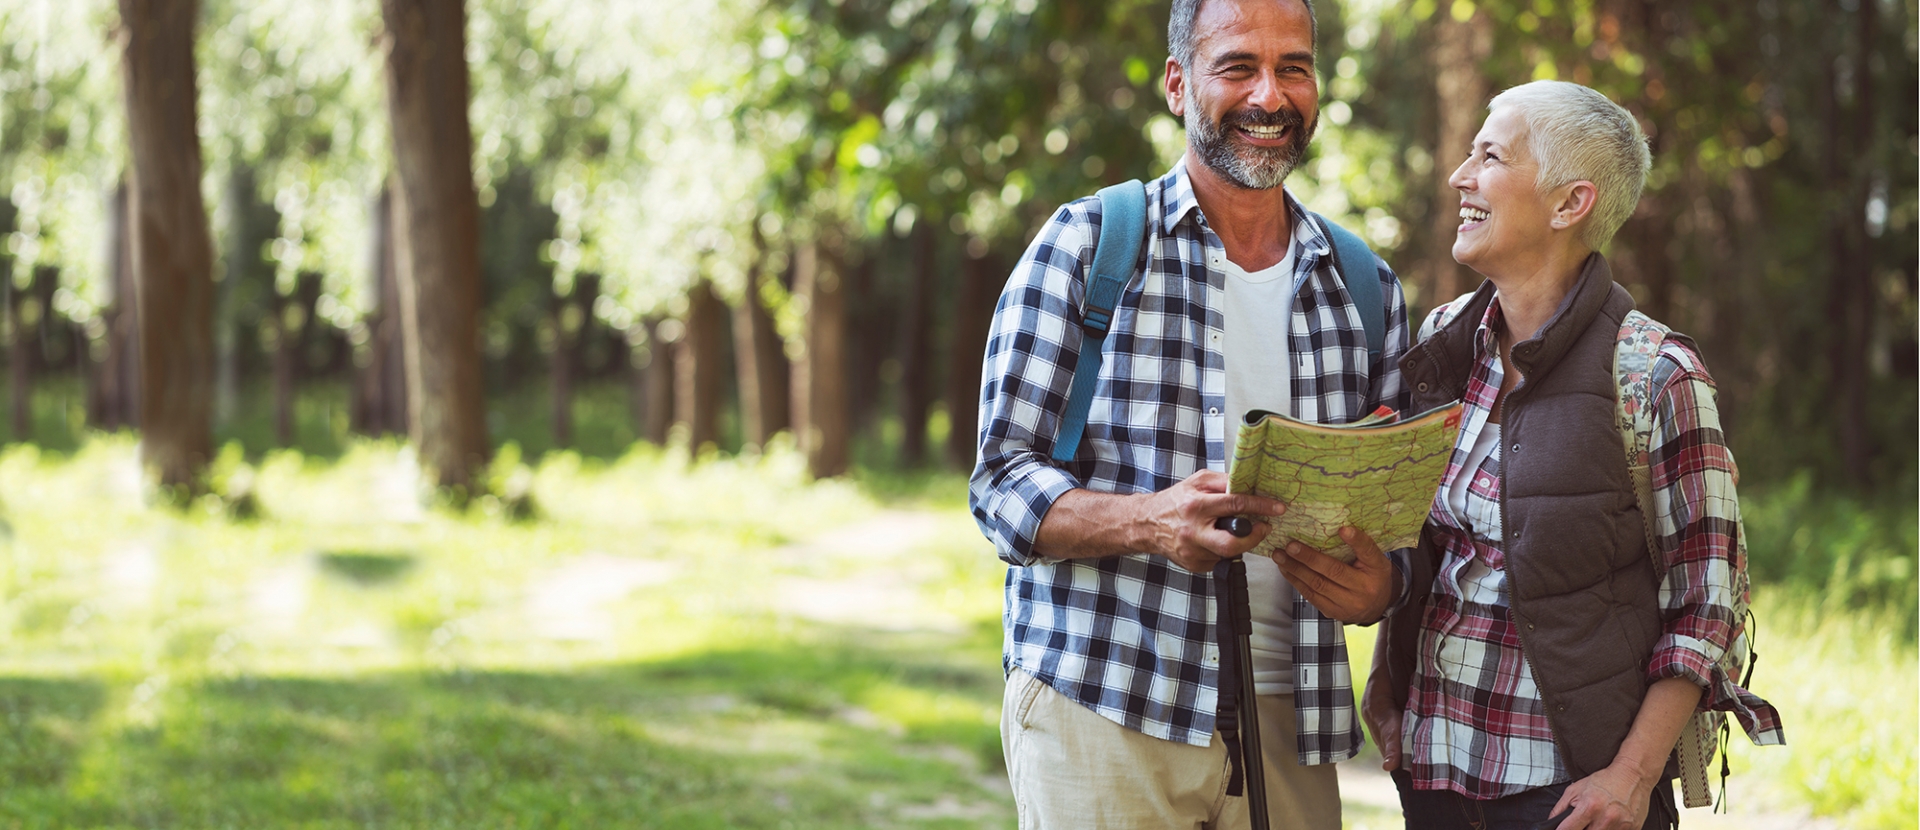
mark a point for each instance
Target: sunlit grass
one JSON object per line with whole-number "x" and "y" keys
{"x": 672, "y": 642}
{"x": 635, "y": 657}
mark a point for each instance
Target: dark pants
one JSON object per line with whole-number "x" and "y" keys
{"x": 1530, "y": 810}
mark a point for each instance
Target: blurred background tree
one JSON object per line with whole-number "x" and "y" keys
{"x": 712, "y": 225}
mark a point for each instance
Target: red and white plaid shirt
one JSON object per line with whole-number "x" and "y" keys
{"x": 1475, "y": 723}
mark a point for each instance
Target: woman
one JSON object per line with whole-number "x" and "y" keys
{"x": 1541, "y": 665}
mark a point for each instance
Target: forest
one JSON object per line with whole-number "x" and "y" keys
{"x": 758, "y": 217}
{"x": 519, "y": 246}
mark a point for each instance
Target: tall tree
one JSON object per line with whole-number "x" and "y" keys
{"x": 916, "y": 348}
{"x": 172, "y": 250}
{"x": 759, "y": 360}
{"x": 819, "y": 373}
{"x": 1461, "y": 45}
{"x": 436, "y": 240}
{"x": 697, "y": 366}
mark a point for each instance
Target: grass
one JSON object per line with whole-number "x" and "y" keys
{"x": 671, "y": 643}
{"x": 353, "y": 660}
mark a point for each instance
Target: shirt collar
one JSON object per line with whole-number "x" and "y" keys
{"x": 1487, "y": 335}
{"x": 1179, "y": 205}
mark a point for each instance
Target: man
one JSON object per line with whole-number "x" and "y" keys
{"x": 1112, "y": 652}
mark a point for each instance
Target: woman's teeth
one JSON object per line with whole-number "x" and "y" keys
{"x": 1473, "y": 214}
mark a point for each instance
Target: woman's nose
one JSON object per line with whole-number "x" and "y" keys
{"x": 1460, "y": 180}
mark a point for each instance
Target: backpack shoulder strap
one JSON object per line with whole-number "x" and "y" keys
{"x": 1123, "y": 227}
{"x": 1353, "y": 261}
{"x": 1633, "y": 355}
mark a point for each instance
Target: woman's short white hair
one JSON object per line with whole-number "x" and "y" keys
{"x": 1575, "y": 134}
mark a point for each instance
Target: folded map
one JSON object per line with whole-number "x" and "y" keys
{"x": 1378, "y": 474}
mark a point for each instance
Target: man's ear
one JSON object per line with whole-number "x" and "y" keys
{"x": 1576, "y": 201}
{"x": 1176, "y": 88}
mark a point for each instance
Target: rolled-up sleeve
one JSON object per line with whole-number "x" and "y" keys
{"x": 1696, "y": 515}
{"x": 1032, "y": 347}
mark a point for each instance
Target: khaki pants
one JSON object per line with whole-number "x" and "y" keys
{"x": 1072, "y": 768}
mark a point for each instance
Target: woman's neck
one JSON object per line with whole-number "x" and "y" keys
{"x": 1528, "y": 300}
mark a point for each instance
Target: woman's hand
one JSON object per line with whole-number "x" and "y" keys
{"x": 1614, "y": 798}
{"x": 1382, "y": 719}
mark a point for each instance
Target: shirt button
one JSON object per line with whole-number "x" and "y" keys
{"x": 1213, "y": 410}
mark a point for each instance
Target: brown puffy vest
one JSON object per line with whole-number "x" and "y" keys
{"x": 1580, "y": 586}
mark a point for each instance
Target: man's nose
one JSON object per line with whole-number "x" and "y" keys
{"x": 1266, "y": 94}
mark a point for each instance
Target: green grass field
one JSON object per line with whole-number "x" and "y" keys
{"x": 669, "y": 644}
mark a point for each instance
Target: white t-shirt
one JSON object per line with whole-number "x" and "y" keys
{"x": 1256, "y": 311}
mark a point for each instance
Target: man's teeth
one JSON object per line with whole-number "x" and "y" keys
{"x": 1263, "y": 132}
{"x": 1473, "y": 214}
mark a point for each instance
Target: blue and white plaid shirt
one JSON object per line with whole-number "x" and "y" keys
{"x": 1132, "y": 636}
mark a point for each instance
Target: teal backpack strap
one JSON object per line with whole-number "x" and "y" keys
{"x": 1363, "y": 282}
{"x": 1123, "y": 226}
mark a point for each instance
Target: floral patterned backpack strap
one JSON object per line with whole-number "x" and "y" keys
{"x": 1638, "y": 345}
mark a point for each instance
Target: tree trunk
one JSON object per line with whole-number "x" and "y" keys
{"x": 916, "y": 358}
{"x": 560, "y": 370}
{"x": 761, "y": 362}
{"x": 699, "y": 366}
{"x": 172, "y": 251}
{"x": 1849, "y": 299}
{"x": 120, "y": 371}
{"x": 436, "y": 240}
{"x": 819, "y": 373}
{"x": 867, "y": 335}
{"x": 383, "y": 381}
{"x": 657, "y": 378}
{"x": 979, "y": 280}
{"x": 1459, "y": 48}
{"x": 286, "y": 346}
{"x": 20, "y": 341}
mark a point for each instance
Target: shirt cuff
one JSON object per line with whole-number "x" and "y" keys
{"x": 1678, "y": 656}
{"x": 1037, "y": 489}
{"x": 1402, "y": 584}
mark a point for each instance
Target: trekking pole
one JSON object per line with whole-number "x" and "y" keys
{"x": 1236, "y": 622}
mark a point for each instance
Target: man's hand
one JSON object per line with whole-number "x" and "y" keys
{"x": 1177, "y": 522}
{"x": 1351, "y": 593}
{"x": 1611, "y": 799}
{"x": 1382, "y": 719}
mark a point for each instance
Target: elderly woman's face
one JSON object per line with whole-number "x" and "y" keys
{"x": 1504, "y": 222}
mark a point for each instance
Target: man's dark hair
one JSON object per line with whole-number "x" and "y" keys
{"x": 1180, "y": 30}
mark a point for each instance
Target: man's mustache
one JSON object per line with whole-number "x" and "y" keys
{"x": 1286, "y": 117}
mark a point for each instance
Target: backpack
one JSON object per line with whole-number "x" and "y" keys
{"x": 1705, "y": 732}
{"x": 1123, "y": 229}
{"x": 1635, "y": 349}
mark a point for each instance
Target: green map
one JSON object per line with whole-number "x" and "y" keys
{"x": 1376, "y": 474}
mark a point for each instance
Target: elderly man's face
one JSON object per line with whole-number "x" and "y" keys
{"x": 1250, "y": 99}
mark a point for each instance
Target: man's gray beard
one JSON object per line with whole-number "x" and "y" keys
{"x": 1267, "y": 167}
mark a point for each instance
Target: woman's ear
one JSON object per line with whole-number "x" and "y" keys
{"x": 1576, "y": 201}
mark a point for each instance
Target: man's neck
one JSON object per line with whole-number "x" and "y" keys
{"x": 1254, "y": 225}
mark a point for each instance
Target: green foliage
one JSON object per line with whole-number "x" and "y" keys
{"x": 62, "y": 145}
{"x": 1847, "y": 554}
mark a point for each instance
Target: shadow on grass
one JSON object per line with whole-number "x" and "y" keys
{"x": 763, "y": 737}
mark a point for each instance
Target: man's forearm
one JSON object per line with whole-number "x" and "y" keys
{"x": 1083, "y": 524}
{"x": 1177, "y": 523}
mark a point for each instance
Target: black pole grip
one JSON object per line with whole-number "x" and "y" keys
{"x": 1240, "y": 526}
